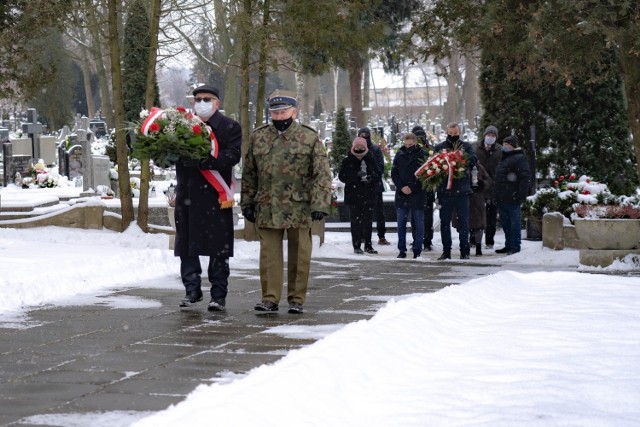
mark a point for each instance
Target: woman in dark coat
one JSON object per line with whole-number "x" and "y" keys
{"x": 360, "y": 175}
{"x": 203, "y": 228}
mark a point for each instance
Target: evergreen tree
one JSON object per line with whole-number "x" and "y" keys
{"x": 317, "y": 108}
{"x": 53, "y": 98}
{"x": 341, "y": 143}
{"x": 135, "y": 57}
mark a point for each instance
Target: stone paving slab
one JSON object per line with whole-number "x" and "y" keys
{"x": 99, "y": 358}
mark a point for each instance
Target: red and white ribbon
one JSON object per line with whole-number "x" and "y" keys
{"x": 154, "y": 114}
{"x": 213, "y": 177}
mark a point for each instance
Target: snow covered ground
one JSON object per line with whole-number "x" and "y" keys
{"x": 536, "y": 349}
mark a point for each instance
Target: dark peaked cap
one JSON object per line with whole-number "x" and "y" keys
{"x": 280, "y": 100}
{"x": 207, "y": 89}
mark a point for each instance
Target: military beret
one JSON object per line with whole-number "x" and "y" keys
{"x": 206, "y": 89}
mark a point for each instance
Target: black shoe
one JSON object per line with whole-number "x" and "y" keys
{"x": 464, "y": 256}
{"x": 402, "y": 255}
{"x": 416, "y": 254}
{"x": 216, "y": 304}
{"x": 190, "y": 298}
{"x": 445, "y": 255}
{"x": 478, "y": 249}
{"x": 511, "y": 252}
{"x": 502, "y": 251}
{"x": 428, "y": 246}
{"x": 266, "y": 306}
{"x": 295, "y": 308}
{"x": 370, "y": 250}
{"x": 358, "y": 251}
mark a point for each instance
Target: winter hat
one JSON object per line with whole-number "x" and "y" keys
{"x": 207, "y": 89}
{"x": 512, "y": 140}
{"x": 490, "y": 129}
{"x": 367, "y": 132}
{"x": 419, "y": 132}
{"x": 359, "y": 147}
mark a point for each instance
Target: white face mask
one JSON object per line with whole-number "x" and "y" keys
{"x": 204, "y": 109}
{"x": 489, "y": 140}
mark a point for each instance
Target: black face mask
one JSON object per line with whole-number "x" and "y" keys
{"x": 282, "y": 125}
{"x": 453, "y": 138}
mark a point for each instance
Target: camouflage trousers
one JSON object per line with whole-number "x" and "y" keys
{"x": 272, "y": 264}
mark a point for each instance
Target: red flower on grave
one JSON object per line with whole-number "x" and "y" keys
{"x": 197, "y": 129}
{"x": 154, "y": 127}
{"x": 181, "y": 109}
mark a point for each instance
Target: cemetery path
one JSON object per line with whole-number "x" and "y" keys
{"x": 103, "y": 356}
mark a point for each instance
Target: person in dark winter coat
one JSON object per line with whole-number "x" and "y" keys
{"x": 378, "y": 212}
{"x": 510, "y": 191}
{"x": 203, "y": 226}
{"x": 489, "y": 153}
{"x": 359, "y": 173}
{"x": 430, "y": 196}
{"x": 457, "y": 197}
{"x": 477, "y": 209}
{"x": 409, "y": 193}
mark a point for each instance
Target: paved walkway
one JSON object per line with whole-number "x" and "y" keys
{"x": 97, "y": 358}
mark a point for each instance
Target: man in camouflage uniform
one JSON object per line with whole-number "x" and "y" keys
{"x": 286, "y": 184}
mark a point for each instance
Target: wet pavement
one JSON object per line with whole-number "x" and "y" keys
{"x": 91, "y": 358}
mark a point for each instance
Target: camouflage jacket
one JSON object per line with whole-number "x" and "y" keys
{"x": 286, "y": 176}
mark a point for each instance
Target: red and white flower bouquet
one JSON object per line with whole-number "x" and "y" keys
{"x": 443, "y": 165}
{"x": 165, "y": 136}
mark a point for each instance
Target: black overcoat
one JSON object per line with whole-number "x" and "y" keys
{"x": 202, "y": 228}
{"x": 356, "y": 191}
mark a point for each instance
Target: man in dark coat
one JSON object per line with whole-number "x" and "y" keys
{"x": 430, "y": 196}
{"x": 409, "y": 193}
{"x": 511, "y": 189}
{"x": 203, "y": 226}
{"x": 359, "y": 173}
{"x": 376, "y": 151}
{"x": 489, "y": 153}
{"x": 457, "y": 197}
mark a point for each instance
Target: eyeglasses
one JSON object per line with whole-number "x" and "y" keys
{"x": 205, "y": 99}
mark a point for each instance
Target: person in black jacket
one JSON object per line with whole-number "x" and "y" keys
{"x": 489, "y": 153}
{"x": 204, "y": 227}
{"x": 510, "y": 190}
{"x": 360, "y": 174}
{"x": 457, "y": 197}
{"x": 430, "y": 196}
{"x": 409, "y": 193}
{"x": 378, "y": 210}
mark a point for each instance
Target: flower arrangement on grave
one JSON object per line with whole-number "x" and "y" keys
{"x": 42, "y": 176}
{"x": 165, "y": 136}
{"x": 580, "y": 197}
{"x": 445, "y": 165}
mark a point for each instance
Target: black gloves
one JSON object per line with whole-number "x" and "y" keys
{"x": 361, "y": 174}
{"x": 478, "y": 187}
{"x": 317, "y": 216}
{"x": 249, "y": 214}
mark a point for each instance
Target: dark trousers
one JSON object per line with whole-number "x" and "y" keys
{"x": 492, "y": 217}
{"x": 361, "y": 227}
{"x": 461, "y": 205}
{"x": 402, "y": 212}
{"x": 379, "y": 214}
{"x": 510, "y": 222}
{"x": 217, "y": 272}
